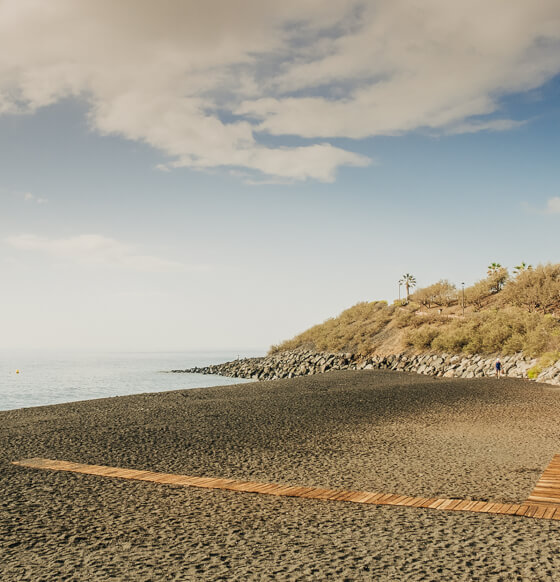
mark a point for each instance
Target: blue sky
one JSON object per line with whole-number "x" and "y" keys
{"x": 160, "y": 193}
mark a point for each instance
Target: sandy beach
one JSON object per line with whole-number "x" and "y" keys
{"x": 369, "y": 430}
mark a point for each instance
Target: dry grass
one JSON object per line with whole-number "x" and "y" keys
{"x": 505, "y": 315}
{"x": 353, "y": 330}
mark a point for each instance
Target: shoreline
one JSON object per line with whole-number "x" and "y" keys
{"x": 297, "y": 363}
{"x": 366, "y": 430}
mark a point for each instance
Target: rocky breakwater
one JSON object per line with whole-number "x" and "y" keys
{"x": 281, "y": 365}
{"x": 304, "y": 362}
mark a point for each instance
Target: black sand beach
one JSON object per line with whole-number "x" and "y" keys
{"x": 370, "y": 430}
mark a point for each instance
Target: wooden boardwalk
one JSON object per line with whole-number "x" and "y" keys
{"x": 547, "y": 490}
{"x": 544, "y": 502}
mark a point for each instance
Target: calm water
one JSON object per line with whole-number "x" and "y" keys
{"x": 52, "y": 378}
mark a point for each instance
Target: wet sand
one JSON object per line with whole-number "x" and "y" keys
{"x": 369, "y": 430}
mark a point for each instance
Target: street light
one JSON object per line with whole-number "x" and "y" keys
{"x": 463, "y": 284}
{"x": 400, "y": 290}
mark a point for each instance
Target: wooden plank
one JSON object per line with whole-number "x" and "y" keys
{"x": 343, "y": 495}
{"x": 543, "y": 499}
{"x": 354, "y": 497}
{"x": 478, "y": 505}
{"x": 238, "y": 485}
{"x": 446, "y": 504}
{"x": 428, "y": 503}
{"x": 320, "y": 493}
{"x": 346, "y": 495}
{"x": 92, "y": 471}
{"x": 274, "y": 490}
{"x": 496, "y": 508}
{"x": 386, "y": 499}
{"x": 304, "y": 491}
{"x": 360, "y": 497}
{"x": 486, "y": 507}
{"x": 544, "y": 502}
{"x": 375, "y": 496}
{"x": 163, "y": 478}
{"x": 309, "y": 492}
{"x": 267, "y": 487}
{"x": 550, "y": 489}
{"x": 556, "y": 514}
{"x": 128, "y": 474}
{"x": 504, "y": 508}
{"x": 261, "y": 488}
{"x": 284, "y": 490}
{"x": 547, "y": 488}
{"x": 435, "y": 504}
{"x": 298, "y": 491}
{"x": 546, "y": 492}
{"x": 399, "y": 500}
{"x": 467, "y": 504}
{"x": 408, "y": 501}
{"x": 334, "y": 496}
{"x": 513, "y": 509}
{"x": 531, "y": 510}
{"x": 540, "y": 511}
{"x": 251, "y": 487}
{"x": 454, "y": 505}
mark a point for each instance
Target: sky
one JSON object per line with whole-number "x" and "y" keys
{"x": 187, "y": 175}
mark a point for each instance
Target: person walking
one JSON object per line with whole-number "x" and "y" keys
{"x": 498, "y": 367}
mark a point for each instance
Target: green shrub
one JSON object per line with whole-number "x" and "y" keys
{"x": 513, "y": 344}
{"x": 422, "y": 338}
{"x": 498, "y": 330}
{"x": 549, "y": 359}
{"x": 535, "y": 289}
{"x": 497, "y": 278}
{"x": 513, "y": 320}
{"x": 442, "y": 294}
{"x": 352, "y": 331}
{"x": 545, "y": 361}
{"x": 477, "y": 293}
{"x": 451, "y": 340}
{"x": 404, "y": 318}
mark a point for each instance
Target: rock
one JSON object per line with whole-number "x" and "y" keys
{"x": 305, "y": 362}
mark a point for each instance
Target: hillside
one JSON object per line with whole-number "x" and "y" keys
{"x": 499, "y": 314}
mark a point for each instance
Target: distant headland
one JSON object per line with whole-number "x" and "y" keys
{"x": 441, "y": 329}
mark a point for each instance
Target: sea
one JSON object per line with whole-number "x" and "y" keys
{"x": 38, "y": 378}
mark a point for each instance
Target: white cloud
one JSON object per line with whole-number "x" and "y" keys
{"x": 28, "y": 197}
{"x": 96, "y": 249}
{"x": 432, "y": 65}
{"x": 204, "y": 82}
{"x": 553, "y": 205}
{"x": 492, "y": 125}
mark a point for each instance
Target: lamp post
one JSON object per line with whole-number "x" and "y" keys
{"x": 463, "y": 284}
{"x": 400, "y": 290}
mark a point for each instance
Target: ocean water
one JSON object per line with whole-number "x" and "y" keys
{"x": 55, "y": 377}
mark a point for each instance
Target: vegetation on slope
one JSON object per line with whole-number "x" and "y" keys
{"x": 498, "y": 314}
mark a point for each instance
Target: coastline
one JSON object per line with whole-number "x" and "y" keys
{"x": 58, "y": 376}
{"x": 300, "y": 362}
{"x": 370, "y": 429}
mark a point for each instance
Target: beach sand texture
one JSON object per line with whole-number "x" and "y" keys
{"x": 370, "y": 431}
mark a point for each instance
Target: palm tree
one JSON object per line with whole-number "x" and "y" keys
{"x": 493, "y": 267}
{"x": 408, "y": 281}
{"x": 522, "y": 267}
{"x": 497, "y": 276}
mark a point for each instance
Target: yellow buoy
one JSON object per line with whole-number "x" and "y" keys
{"x": 17, "y": 371}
